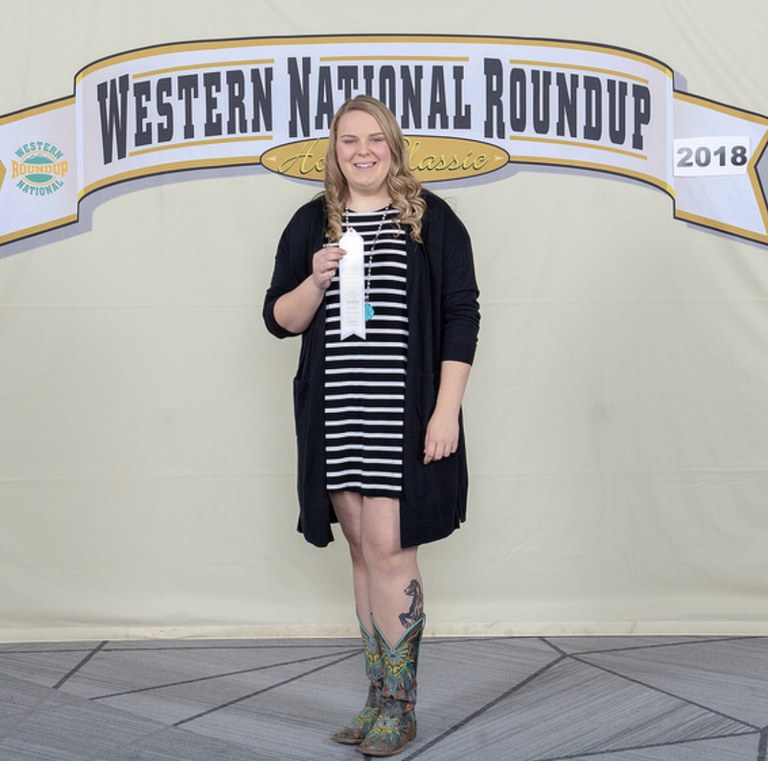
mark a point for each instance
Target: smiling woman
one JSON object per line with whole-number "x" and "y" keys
{"x": 381, "y": 387}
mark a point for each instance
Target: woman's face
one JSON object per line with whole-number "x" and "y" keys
{"x": 363, "y": 155}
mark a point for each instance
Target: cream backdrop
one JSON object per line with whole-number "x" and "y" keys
{"x": 617, "y": 415}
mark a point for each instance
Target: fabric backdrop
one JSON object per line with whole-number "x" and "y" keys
{"x": 617, "y": 415}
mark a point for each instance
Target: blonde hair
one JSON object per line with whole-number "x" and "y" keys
{"x": 404, "y": 189}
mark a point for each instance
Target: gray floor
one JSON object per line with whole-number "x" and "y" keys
{"x": 516, "y": 699}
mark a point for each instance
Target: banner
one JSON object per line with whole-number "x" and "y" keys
{"x": 468, "y": 106}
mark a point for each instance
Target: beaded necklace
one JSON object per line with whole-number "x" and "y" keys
{"x": 369, "y": 310}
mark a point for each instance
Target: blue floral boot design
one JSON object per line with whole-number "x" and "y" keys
{"x": 396, "y": 723}
{"x": 354, "y": 733}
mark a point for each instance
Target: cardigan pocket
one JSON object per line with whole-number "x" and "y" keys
{"x": 301, "y": 406}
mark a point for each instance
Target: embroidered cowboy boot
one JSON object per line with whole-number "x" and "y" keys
{"x": 396, "y": 723}
{"x": 354, "y": 733}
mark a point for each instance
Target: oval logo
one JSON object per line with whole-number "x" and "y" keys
{"x": 431, "y": 159}
{"x": 39, "y": 170}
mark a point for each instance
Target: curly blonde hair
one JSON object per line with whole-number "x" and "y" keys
{"x": 404, "y": 189}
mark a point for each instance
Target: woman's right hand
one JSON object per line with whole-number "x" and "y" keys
{"x": 325, "y": 263}
{"x": 294, "y": 310}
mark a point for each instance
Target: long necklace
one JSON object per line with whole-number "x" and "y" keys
{"x": 369, "y": 310}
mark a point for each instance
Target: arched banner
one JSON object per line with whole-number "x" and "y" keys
{"x": 467, "y": 105}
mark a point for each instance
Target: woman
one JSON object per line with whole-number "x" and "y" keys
{"x": 384, "y": 403}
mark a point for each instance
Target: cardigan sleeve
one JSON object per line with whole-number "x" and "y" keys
{"x": 460, "y": 308}
{"x": 291, "y": 266}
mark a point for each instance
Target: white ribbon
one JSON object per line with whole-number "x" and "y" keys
{"x": 352, "y": 285}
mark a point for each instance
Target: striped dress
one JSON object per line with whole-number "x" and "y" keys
{"x": 365, "y": 379}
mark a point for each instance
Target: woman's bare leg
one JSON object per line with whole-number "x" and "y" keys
{"x": 385, "y": 577}
{"x": 348, "y": 506}
{"x": 394, "y": 580}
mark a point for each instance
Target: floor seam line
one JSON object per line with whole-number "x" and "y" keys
{"x": 667, "y": 693}
{"x": 673, "y": 743}
{"x": 80, "y": 665}
{"x": 262, "y": 691}
{"x": 553, "y": 646}
{"x": 762, "y": 748}
{"x": 221, "y": 675}
{"x": 205, "y": 648}
{"x": 480, "y": 711}
{"x": 671, "y": 644}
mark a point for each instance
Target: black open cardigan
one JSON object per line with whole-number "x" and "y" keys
{"x": 443, "y": 323}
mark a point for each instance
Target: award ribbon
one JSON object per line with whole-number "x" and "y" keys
{"x": 352, "y": 285}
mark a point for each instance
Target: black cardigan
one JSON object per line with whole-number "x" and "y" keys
{"x": 443, "y": 323}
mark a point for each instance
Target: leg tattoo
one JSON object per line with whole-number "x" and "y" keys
{"x": 417, "y": 604}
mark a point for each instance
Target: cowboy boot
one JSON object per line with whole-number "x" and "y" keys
{"x": 396, "y": 722}
{"x": 354, "y": 733}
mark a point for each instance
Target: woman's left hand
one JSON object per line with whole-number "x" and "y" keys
{"x": 442, "y": 437}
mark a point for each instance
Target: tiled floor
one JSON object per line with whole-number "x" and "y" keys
{"x": 511, "y": 699}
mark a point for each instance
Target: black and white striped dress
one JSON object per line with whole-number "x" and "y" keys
{"x": 365, "y": 379}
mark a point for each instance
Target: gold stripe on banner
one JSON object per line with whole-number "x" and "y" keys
{"x": 181, "y": 47}
{"x": 755, "y": 180}
{"x": 197, "y": 66}
{"x": 44, "y": 227}
{"x": 591, "y": 48}
{"x": 37, "y": 110}
{"x": 194, "y": 143}
{"x": 739, "y": 113}
{"x": 440, "y": 59}
{"x": 179, "y": 166}
{"x": 722, "y": 226}
{"x": 607, "y": 168}
{"x": 574, "y": 67}
{"x": 575, "y": 144}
